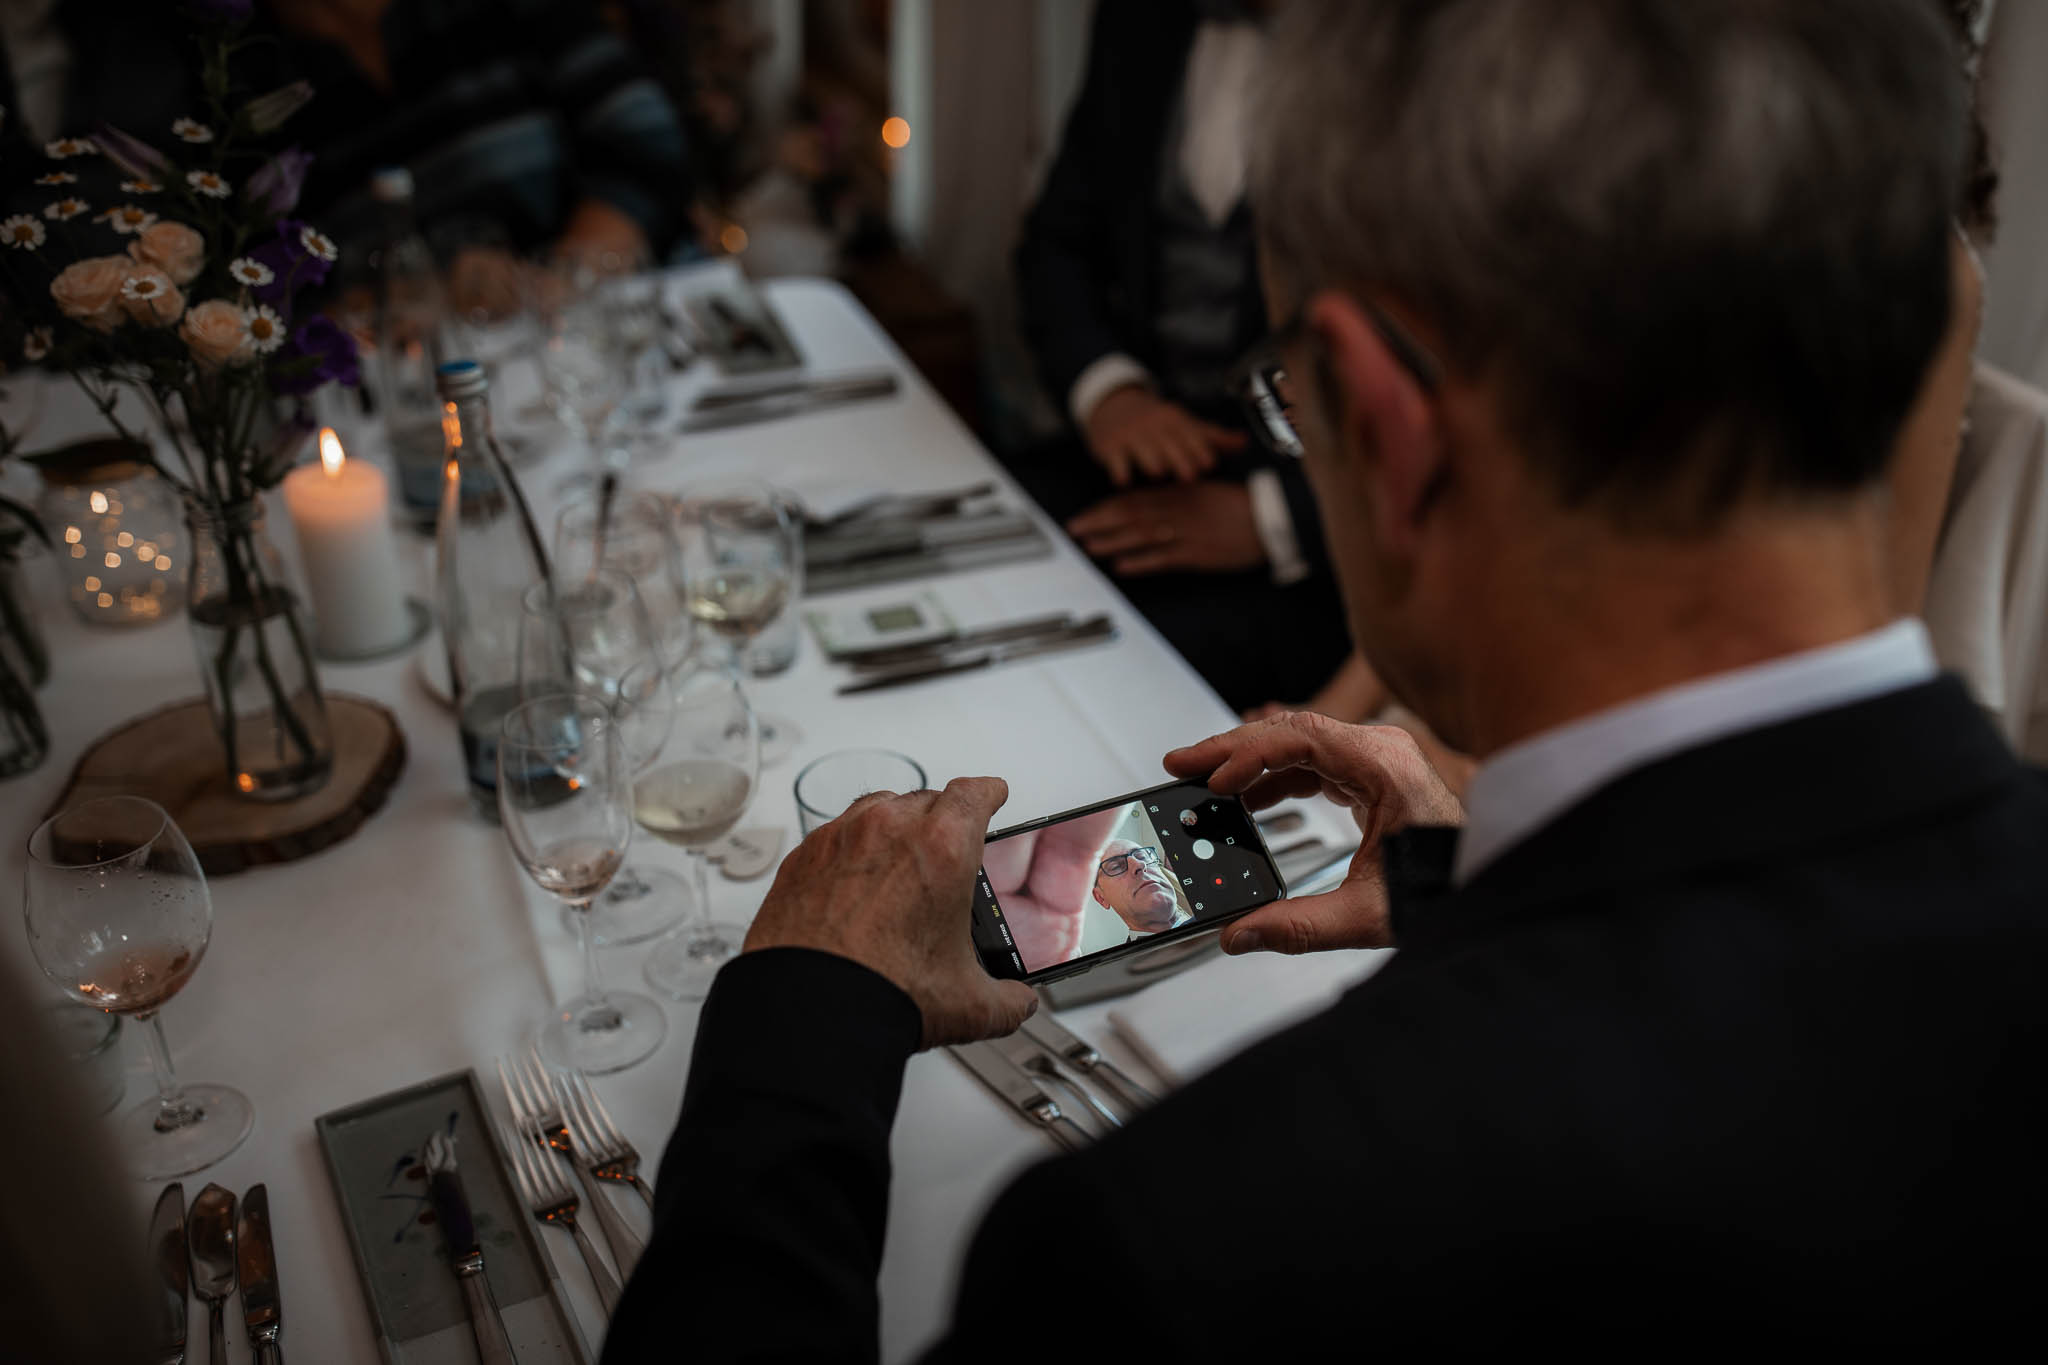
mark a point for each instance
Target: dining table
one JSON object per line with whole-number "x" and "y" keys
{"x": 417, "y": 947}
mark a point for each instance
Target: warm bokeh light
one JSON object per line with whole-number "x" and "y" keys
{"x": 330, "y": 451}
{"x": 98, "y": 501}
{"x": 733, "y": 238}
{"x": 896, "y": 132}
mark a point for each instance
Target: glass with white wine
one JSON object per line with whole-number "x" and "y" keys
{"x": 693, "y": 796}
{"x": 736, "y": 558}
{"x": 119, "y": 916}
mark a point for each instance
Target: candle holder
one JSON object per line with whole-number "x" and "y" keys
{"x": 120, "y": 544}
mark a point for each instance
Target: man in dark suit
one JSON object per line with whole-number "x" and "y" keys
{"x": 1138, "y": 291}
{"x": 1719, "y": 1020}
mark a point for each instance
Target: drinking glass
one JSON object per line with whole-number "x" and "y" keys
{"x": 827, "y": 786}
{"x": 590, "y": 635}
{"x": 693, "y": 797}
{"x": 640, "y": 542}
{"x": 119, "y": 917}
{"x": 564, "y": 795}
{"x": 583, "y": 366}
{"x": 741, "y": 559}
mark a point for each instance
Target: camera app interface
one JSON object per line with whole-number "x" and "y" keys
{"x": 1106, "y": 878}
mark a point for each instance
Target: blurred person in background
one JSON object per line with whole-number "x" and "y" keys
{"x": 528, "y": 125}
{"x": 1140, "y": 293}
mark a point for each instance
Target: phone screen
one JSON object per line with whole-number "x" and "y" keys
{"x": 1058, "y": 895}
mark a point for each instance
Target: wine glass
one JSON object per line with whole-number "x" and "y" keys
{"x": 593, "y": 635}
{"x": 583, "y": 366}
{"x": 119, "y": 917}
{"x": 640, "y": 542}
{"x": 741, "y": 563}
{"x": 693, "y": 797}
{"x": 564, "y": 795}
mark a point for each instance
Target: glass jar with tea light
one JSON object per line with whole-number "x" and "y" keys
{"x": 118, "y": 531}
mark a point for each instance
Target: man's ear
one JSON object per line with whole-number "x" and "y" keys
{"x": 1096, "y": 891}
{"x": 1383, "y": 416}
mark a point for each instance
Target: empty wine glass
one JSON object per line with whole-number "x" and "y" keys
{"x": 693, "y": 797}
{"x": 564, "y": 795}
{"x": 119, "y": 917}
{"x": 583, "y": 366}
{"x": 640, "y": 542}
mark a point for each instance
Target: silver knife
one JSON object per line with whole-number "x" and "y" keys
{"x": 1078, "y": 1052}
{"x": 167, "y": 1249}
{"x": 1016, "y": 1089}
{"x": 465, "y": 1253}
{"x": 1008, "y": 632}
{"x": 811, "y": 398}
{"x": 1094, "y": 630}
{"x": 262, "y": 1312}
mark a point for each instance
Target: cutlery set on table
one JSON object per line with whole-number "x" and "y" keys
{"x": 212, "y": 1250}
{"x": 1028, "y": 1068}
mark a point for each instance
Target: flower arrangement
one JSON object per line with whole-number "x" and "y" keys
{"x": 185, "y": 278}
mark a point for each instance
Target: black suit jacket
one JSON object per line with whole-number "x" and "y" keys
{"x": 1747, "y": 1048}
{"x": 1088, "y": 262}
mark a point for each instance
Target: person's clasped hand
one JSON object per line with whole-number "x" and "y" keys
{"x": 1375, "y": 771}
{"x": 1205, "y": 527}
{"x": 1135, "y": 431}
{"x": 890, "y": 884}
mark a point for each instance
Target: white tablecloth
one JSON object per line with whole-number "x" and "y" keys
{"x": 418, "y": 947}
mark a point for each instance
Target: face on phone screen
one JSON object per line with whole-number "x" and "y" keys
{"x": 1163, "y": 864}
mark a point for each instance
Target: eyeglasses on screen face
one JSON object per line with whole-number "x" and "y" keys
{"x": 1119, "y": 863}
{"x": 1262, "y": 385}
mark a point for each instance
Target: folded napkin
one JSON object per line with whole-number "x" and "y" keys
{"x": 1187, "y": 1024}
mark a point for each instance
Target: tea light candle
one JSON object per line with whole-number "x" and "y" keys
{"x": 341, "y": 510}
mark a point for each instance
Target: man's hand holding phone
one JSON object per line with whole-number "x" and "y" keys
{"x": 1375, "y": 771}
{"x": 886, "y": 885}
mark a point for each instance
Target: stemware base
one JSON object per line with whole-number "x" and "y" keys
{"x": 603, "y": 1035}
{"x": 640, "y": 905}
{"x": 222, "y": 1118}
{"x": 682, "y": 968}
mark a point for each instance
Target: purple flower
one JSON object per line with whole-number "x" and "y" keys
{"x": 292, "y": 267}
{"x": 131, "y": 154}
{"x": 275, "y": 186}
{"x": 318, "y": 352}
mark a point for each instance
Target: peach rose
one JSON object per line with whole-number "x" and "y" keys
{"x": 149, "y": 297}
{"x": 89, "y": 291}
{"x": 173, "y": 248}
{"x": 215, "y": 333}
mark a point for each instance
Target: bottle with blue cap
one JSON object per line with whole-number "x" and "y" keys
{"x": 490, "y": 555}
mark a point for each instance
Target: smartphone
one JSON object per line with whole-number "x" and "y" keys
{"x": 1065, "y": 893}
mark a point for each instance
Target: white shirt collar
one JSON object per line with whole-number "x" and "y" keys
{"x": 1527, "y": 785}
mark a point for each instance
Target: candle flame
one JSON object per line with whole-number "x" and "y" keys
{"x": 330, "y": 451}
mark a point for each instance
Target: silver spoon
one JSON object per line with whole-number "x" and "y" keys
{"x": 210, "y": 1232}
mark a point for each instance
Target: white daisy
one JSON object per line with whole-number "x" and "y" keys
{"x": 22, "y": 232}
{"x": 250, "y": 272}
{"x": 143, "y": 286}
{"x": 36, "y": 344}
{"x": 70, "y": 146}
{"x": 141, "y": 186}
{"x": 57, "y": 178}
{"x": 127, "y": 218}
{"x": 316, "y": 245}
{"x": 192, "y": 130}
{"x": 65, "y": 208}
{"x": 207, "y": 183}
{"x": 266, "y": 328}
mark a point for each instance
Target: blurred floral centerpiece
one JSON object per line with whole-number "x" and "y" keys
{"x": 179, "y": 276}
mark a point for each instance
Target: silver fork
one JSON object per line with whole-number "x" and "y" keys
{"x": 1045, "y": 1069}
{"x": 547, "y": 1117}
{"x": 540, "y": 1184}
{"x": 616, "y": 1158}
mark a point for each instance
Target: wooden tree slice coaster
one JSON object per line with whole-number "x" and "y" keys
{"x": 173, "y": 757}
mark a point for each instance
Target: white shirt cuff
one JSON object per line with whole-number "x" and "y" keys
{"x": 1276, "y": 527}
{"x": 1112, "y": 371}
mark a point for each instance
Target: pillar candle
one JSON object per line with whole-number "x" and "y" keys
{"x": 340, "y": 509}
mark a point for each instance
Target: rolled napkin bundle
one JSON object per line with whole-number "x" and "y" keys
{"x": 1182, "y": 1027}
